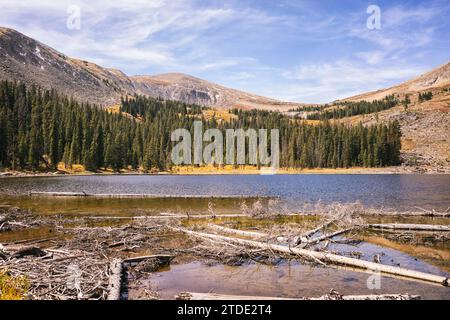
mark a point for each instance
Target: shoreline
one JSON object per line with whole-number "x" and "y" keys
{"x": 218, "y": 172}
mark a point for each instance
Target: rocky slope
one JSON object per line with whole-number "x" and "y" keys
{"x": 425, "y": 125}
{"x": 182, "y": 87}
{"x": 27, "y": 60}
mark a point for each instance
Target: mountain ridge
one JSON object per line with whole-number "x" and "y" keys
{"x": 32, "y": 62}
{"x": 436, "y": 78}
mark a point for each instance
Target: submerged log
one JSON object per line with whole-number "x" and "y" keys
{"x": 327, "y": 257}
{"x": 172, "y": 216}
{"x": 414, "y": 227}
{"x": 136, "y": 195}
{"x": 115, "y": 280}
{"x": 332, "y": 296}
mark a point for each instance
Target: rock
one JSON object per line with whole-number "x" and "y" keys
{"x": 29, "y": 251}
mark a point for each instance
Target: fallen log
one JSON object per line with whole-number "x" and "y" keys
{"x": 327, "y": 236}
{"x": 249, "y": 234}
{"x": 332, "y": 296}
{"x": 414, "y": 227}
{"x": 163, "y": 259}
{"x": 153, "y": 196}
{"x": 433, "y": 213}
{"x": 309, "y": 233}
{"x": 166, "y": 216}
{"x": 326, "y": 257}
{"x": 115, "y": 280}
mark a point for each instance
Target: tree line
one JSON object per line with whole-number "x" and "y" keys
{"x": 41, "y": 128}
{"x": 348, "y": 109}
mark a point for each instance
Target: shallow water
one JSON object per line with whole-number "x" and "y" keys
{"x": 287, "y": 280}
{"x": 401, "y": 192}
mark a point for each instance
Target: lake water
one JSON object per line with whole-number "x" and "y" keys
{"x": 402, "y": 192}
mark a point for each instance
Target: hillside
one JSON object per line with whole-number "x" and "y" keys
{"x": 182, "y": 87}
{"x": 438, "y": 78}
{"x": 29, "y": 61}
{"x": 425, "y": 124}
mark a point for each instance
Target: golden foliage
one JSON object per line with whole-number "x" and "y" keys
{"x": 12, "y": 288}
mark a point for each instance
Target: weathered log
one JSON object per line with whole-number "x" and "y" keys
{"x": 309, "y": 233}
{"x": 333, "y": 296}
{"x": 174, "y": 216}
{"x": 115, "y": 280}
{"x": 414, "y": 227}
{"x": 249, "y": 234}
{"x": 327, "y": 257}
{"x": 215, "y": 296}
{"x": 163, "y": 259}
{"x": 328, "y": 236}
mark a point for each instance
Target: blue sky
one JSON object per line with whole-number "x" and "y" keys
{"x": 304, "y": 51}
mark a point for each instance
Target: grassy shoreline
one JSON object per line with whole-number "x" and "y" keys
{"x": 186, "y": 171}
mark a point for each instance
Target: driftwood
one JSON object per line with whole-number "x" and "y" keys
{"x": 163, "y": 259}
{"x": 327, "y": 236}
{"x": 303, "y": 237}
{"x": 168, "y": 217}
{"x": 327, "y": 257}
{"x": 433, "y": 213}
{"x": 115, "y": 280}
{"x": 249, "y": 234}
{"x": 414, "y": 227}
{"x": 332, "y": 296}
{"x": 117, "y": 268}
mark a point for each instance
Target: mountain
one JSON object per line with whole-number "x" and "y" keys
{"x": 32, "y": 62}
{"x": 435, "y": 79}
{"x": 182, "y": 87}
{"x": 29, "y": 61}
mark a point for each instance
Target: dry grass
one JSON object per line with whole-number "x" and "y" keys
{"x": 220, "y": 115}
{"x": 12, "y": 288}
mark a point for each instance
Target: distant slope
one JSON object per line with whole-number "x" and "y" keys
{"x": 178, "y": 86}
{"x": 425, "y": 124}
{"x": 27, "y": 60}
{"x": 436, "y": 79}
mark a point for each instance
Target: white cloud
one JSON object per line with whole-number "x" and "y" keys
{"x": 331, "y": 81}
{"x": 135, "y": 34}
